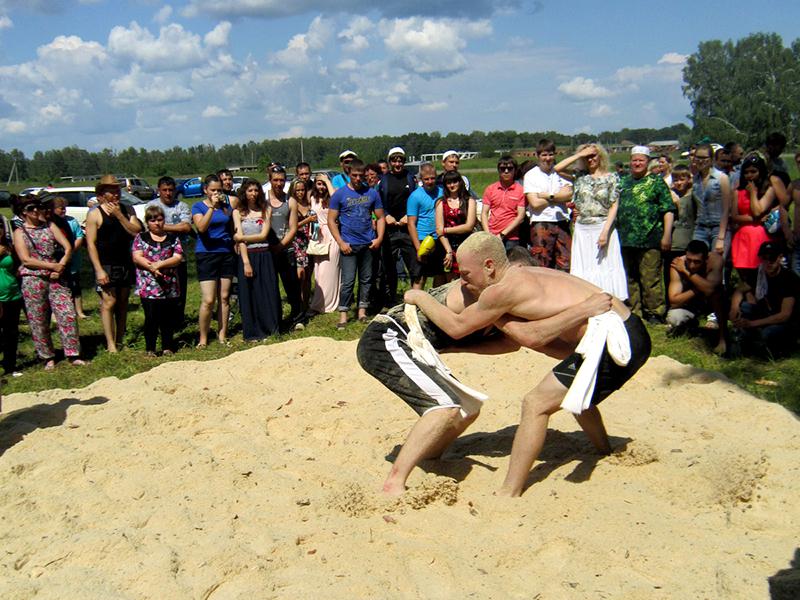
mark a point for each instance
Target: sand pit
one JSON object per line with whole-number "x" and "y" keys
{"x": 255, "y": 476}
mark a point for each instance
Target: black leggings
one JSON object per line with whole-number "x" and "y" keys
{"x": 160, "y": 314}
{"x": 9, "y": 332}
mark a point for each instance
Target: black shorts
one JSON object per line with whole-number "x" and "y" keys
{"x": 610, "y": 376}
{"x": 119, "y": 277}
{"x": 432, "y": 264}
{"x": 215, "y": 265}
{"x": 383, "y": 353}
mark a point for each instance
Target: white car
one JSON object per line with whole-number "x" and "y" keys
{"x": 78, "y": 199}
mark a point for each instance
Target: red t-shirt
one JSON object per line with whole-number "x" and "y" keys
{"x": 503, "y": 204}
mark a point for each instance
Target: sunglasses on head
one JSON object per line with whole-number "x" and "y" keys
{"x": 277, "y": 170}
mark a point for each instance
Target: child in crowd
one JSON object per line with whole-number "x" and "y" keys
{"x": 157, "y": 255}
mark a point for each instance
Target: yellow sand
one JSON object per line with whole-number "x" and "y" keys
{"x": 255, "y": 476}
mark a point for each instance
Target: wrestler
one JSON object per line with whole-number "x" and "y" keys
{"x": 539, "y": 308}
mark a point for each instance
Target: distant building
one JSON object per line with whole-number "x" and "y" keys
{"x": 623, "y": 147}
{"x": 664, "y": 146}
{"x": 238, "y": 168}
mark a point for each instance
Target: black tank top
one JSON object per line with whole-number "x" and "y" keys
{"x": 113, "y": 240}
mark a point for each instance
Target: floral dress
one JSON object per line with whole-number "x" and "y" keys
{"x": 301, "y": 238}
{"x": 147, "y": 284}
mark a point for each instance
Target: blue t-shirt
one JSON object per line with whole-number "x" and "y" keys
{"x": 355, "y": 213}
{"x": 217, "y": 238}
{"x": 340, "y": 181}
{"x": 422, "y": 204}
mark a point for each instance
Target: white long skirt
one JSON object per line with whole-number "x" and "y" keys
{"x": 602, "y": 268}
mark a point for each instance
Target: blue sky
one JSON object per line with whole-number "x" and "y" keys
{"x": 103, "y": 73}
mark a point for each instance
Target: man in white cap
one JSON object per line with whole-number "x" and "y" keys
{"x": 450, "y": 162}
{"x": 345, "y": 158}
{"x": 644, "y": 224}
{"x": 394, "y": 189}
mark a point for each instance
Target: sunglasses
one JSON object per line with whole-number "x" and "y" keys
{"x": 153, "y": 219}
{"x": 505, "y": 168}
{"x": 31, "y": 207}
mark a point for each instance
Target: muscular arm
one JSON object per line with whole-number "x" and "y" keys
{"x": 676, "y": 294}
{"x": 491, "y": 305}
{"x": 537, "y": 334}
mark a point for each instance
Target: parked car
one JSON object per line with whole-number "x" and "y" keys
{"x": 238, "y": 180}
{"x": 30, "y": 190}
{"x": 78, "y": 197}
{"x": 136, "y": 186}
{"x": 191, "y": 188}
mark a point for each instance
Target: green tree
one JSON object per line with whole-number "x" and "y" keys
{"x": 743, "y": 90}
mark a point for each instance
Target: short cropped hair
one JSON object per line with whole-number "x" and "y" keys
{"x": 484, "y": 245}
{"x": 520, "y": 255}
{"x": 697, "y": 247}
{"x": 166, "y": 180}
{"x": 357, "y": 164}
{"x": 545, "y": 145}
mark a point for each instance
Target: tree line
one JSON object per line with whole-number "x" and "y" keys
{"x": 50, "y": 165}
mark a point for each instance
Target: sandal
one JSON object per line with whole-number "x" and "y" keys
{"x": 341, "y": 326}
{"x": 50, "y": 365}
{"x": 79, "y": 363}
{"x": 363, "y": 319}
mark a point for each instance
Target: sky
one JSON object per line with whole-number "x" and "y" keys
{"x": 112, "y": 74}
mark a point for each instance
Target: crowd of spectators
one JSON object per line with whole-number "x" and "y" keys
{"x": 715, "y": 239}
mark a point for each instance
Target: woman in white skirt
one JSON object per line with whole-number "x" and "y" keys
{"x": 596, "y": 254}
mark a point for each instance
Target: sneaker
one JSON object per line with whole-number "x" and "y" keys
{"x": 299, "y": 326}
{"x": 711, "y": 322}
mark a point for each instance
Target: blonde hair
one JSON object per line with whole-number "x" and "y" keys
{"x": 602, "y": 157}
{"x": 485, "y": 245}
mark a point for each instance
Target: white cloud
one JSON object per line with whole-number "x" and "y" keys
{"x": 431, "y": 47}
{"x": 11, "y": 126}
{"x": 6, "y": 23}
{"x": 300, "y": 48}
{"x": 355, "y": 37}
{"x": 433, "y": 106}
{"x": 673, "y": 58}
{"x": 211, "y": 111}
{"x": 601, "y": 110}
{"x": 138, "y": 87}
{"x": 163, "y": 14}
{"x": 582, "y": 88}
{"x": 173, "y": 49}
{"x": 218, "y": 36}
{"x": 294, "y": 131}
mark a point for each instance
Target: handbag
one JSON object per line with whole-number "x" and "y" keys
{"x": 315, "y": 247}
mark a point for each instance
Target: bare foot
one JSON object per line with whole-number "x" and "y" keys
{"x": 393, "y": 489}
{"x": 721, "y": 348}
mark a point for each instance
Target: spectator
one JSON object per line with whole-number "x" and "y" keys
{"x": 665, "y": 162}
{"x": 305, "y": 218}
{"x": 326, "y": 267}
{"x": 774, "y": 146}
{"x": 345, "y": 160}
{"x": 765, "y": 316}
{"x": 451, "y": 161}
{"x": 547, "y": 194}
{"x": 10, "y": 300}
{"x": 695, "y": 289}
{"x": 455, "y": 219}
{"x": 353, "y": 206}
{"x": 157, "y": 255}
{"x": 44, "y": 288}
{"x": 644, "y": 222}
{"x": 620, "y": 169}
{"x": 226, "y": 179}
{"x": 384, "y": 166}
{"x": 394, "y": 188}
{"x": 76, "y": 237}
{"x": 755, "y": 198}
{"x": 259, "y": 297}
{"x": 722, "y": 160}
{"x": 596, "y": 254}
{"x": 504, "y": 204}
{"x": 793, "y": 239}
{"x": 216, "y": 263}
{"x": 177, "y": 221}
{"x": 683, "y": 199}
{"x": 372, "y": 174}
{"x": 283, "y": 226}
{"x": 422, "y": 223}
{"x": 110, "y": 229}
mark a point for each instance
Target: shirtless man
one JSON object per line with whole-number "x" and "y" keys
{"x": 539, "y": 308}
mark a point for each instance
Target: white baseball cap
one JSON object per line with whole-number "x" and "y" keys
{"x": 347, "y": 153}
{"x": 640, "y": 150}
{"x": 396, "y": 150}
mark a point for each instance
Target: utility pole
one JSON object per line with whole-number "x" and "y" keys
{"x": 302, "y": 156}
{"x": 14, "y": 173}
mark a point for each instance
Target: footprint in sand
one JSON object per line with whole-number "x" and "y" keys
{"x": 356, "y": 501}
{"x": 635, "y": 454}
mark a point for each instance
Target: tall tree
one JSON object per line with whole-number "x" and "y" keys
{"x": 741, "y": 91}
